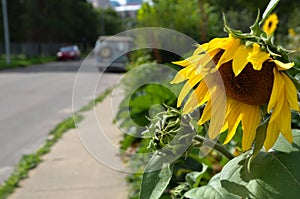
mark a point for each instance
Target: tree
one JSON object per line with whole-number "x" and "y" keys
{"x": 15, "y": 17}
{"x": 61, "y": 20}
{"x": 193, "y": 18}
{"x": 109, "y": 22}
{"x": 51, "y": 21}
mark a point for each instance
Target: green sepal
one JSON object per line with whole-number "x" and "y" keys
{"x": 249, "y": 43}
{"x": 273, "y": 54}
{"x": 235, "y": 33}
{"x": 283, "y": 50}
{"x": 255, "y": 28}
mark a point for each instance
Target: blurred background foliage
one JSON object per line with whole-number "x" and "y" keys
{"x": 58, "y": 21}
{"x": 202, "y": 19}
{"x": 78, "y": 21}
{"x": 193, "y": 18}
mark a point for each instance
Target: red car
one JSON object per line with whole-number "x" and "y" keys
{"x": 71, "y": 52}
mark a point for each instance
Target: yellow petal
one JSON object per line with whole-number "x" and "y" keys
{"x": 283, "y": 66}
{"x": 198, "y": 97}
{"x": 278, "y": 107}
{"x": 280, "y": 121}
{"x": 187, "y": 87}
{"x": 271, "y": 135}
{"x": 194, "y": 61}
{"x": 229, "y": 53}
{"x": 284, "y": 122}
{"x": 250, "y": 121}
{"x": 233, "y": 118}
{"x": 207, "y": 62}
{"x": 204, "y": 46}
{"x": 219, "y": 43}
{"x": 213, "y": 52}
{"x": 202, "y": 62}
{"x": 206, "y": 113}
{"x": 200, "y": 49}
{"x": 290, "y": 92}
{"x": 218, "y": 113}
{"x": 240, "y": 59}
{"x": 225, "y": 127}
{"x": 183, "y": 75}
{"x": 257, "y": 57}
{"x": 183, "y": 63}
{"x": 278, "y": 86}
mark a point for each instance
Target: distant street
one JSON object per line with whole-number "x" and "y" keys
{"x": 34, "y": 99}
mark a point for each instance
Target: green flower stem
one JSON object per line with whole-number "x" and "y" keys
{"x": 218, "y": 147}
{"x": 271, "y": 6}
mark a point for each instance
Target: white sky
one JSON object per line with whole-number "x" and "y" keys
{"x": 122, "y": 2}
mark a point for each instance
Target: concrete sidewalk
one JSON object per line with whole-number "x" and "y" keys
{"x": 69, "y": 171}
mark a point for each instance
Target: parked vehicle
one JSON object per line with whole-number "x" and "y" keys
{"x": 112, "y": 53}
{"x": 70, "y": 52}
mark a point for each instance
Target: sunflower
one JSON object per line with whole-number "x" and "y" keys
{"x": 249, "y": 78}
{"x": 270, "y": 24}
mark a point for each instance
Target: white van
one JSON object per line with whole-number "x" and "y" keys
{"x": 112, "y": 53}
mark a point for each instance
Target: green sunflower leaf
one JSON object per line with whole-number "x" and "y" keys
{"x": 283, "y": 145}
{"x": 193, "y": 178}
{"x": 213, "y": 190}
{"x": 274, "y": 174}
{"x": 156, "y": 178}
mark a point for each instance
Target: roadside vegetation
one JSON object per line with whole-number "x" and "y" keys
{"x": 21, "y": 61}
{"x": 156, "y": 125}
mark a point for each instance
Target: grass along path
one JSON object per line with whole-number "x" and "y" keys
{"x": 30, "y": 161}
{"x": 23, "y": 62}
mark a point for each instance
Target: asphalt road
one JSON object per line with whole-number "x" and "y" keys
{"x": 33, "y": 100}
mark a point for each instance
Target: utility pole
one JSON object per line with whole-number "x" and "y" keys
{"x": 6, "y": 31}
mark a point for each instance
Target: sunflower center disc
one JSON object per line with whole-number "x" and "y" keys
{"x": 250, "y": 86}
